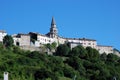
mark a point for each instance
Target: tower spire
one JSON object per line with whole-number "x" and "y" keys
{"x": 53, "y": 29}
{"x": 53, "y": 22}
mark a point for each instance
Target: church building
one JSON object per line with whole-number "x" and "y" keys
{"x": 37, "y": 40}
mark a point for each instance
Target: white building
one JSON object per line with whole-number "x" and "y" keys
{"x": 36, "y": 40}
{"x": 2, "y": 35}
{"x": 83, "y": 41}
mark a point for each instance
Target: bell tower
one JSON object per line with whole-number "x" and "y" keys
{"x": 53, "y": 29}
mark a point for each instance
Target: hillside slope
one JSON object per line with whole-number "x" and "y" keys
{"x": 82, "y": 64}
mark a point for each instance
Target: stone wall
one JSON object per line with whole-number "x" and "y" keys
{"x": 30, "y": 48}
{"x": 104, "y": 49}
{"x": 21, "y": 39}
{"x": 25, "y": 40}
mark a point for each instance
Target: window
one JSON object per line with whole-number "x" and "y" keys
{"x": 17, "y": 43}
{"x": 89, "y": 43}
{"x": 54, "y": 30}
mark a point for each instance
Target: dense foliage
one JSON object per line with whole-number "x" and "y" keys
{"x": 78, "y": 63}
{"x": 8, "y": 41}
{"x": 62, "y": 50}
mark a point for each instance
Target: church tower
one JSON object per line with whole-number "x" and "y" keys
{"x": 53, "y": 29}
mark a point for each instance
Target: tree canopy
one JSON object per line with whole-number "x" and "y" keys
{"x": 62, "y": 50}
{"x": 26, "y": 65}
{"x": 8, "y": 41}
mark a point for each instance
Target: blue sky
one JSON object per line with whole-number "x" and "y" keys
{"x": 94, "y": 19}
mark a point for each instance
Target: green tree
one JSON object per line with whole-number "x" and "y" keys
{"x": 48, "y": 46}
{"x": 112, "y": 58}
{"x": 78, "y": 51}
{"x": 103, "y": 56}
{"x": 8, "y": 41}
{"x": 54, "y": 45}
{"x": 92, "y": 53}
{"x": 51, "y": 46}
{"x": 43, "y": 74}
{"x": 62, "y": 50}
{"x": 68, "y": 71}
{"x": 77, "y": 64}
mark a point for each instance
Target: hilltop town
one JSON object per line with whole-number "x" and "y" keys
{"x": 68, "y": 61}
{"x": 33, "y": 40}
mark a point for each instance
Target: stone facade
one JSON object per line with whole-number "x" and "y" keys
{"x": 104, "y": 49}
{"x": 21, "y": 39}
